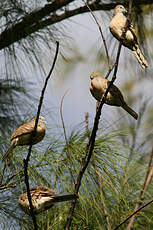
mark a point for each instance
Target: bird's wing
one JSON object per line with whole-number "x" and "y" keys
{"x": 42, "y": 191}
{"x": 116, "y": 92}
{"x": 132, "y": 30}
{"x": 23, "y": 129}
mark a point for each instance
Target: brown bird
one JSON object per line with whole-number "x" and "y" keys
{"x": 114, "y": 97}
{"x": 117, "y": 28}
{"x": 43, "y": 198}
{"x": 22, "y": 135}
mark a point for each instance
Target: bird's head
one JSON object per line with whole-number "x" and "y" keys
{"x": 95, "y": 74}
{"x": 120, "y": 9}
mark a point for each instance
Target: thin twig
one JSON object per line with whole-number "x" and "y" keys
{"x": 99, "y": 181}
{"x": 2, "y": 173}
{"x": 45, "y": 85}
{"x": 138, "y": 210}
{"x": 100, "y": 29}
{"x": 7, "y": 187}
{"x": 117, "y": 62}
{"x": 130, "y": 10}
{"x": 91, "y": 142}
{"x": 67, "y": 145}
{"x": 87, "y": 124}
{"x": 62, "y": 119}
{"x": 149, "y": 171}
{"x": 26, "y": 161}
{"x": 109, "y": 71}
{"x": 84, "y": 163}
{"x": 12, "y": 177}
{"x": 149, "y": 174}
{"x": 90, "y": 145}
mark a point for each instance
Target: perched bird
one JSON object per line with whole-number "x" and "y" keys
{"x": 43, "y": 198}
{"x": 114, "y": 97}
{"x": 117, "y": 28}
{"x": 22, "y": 135}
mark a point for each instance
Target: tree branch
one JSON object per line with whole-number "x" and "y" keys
{"x": 100, "y": 30}
{"x": 99, "y": 181}
{"x": 138, "y": 210}
{"x": 35, "y": 21}
{"x": 149, "y": 174}
{"x": 67, "y": 145}
{"x": 24, "y": 27}
{"x": 90, "y": 145}
{"x": 26, "y": 161}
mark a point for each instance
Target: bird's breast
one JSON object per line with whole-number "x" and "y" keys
{"x": 96, "y": 91}
{"x": 117, "y": 25}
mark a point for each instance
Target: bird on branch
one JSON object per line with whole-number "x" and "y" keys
{"x": 42, "y": 198}
{"x": 23, "y": 135}
{"x": 126, "y": 33}
{"x": 114, "y": 97}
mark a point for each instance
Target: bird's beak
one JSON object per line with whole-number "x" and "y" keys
{"x": 125, "y": 12}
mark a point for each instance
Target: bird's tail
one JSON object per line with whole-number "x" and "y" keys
{"x": 130, "y": 111}
{"x": 141, "y": 59}
{"x": 61, "y": 198}
{"x": 9, "y": 150}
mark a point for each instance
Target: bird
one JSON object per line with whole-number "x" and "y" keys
{"x": 129, "y": 39}
{"x": 42, "y": 198}
{"x": 22, "y": 135}
{"x": 98, "y": 87}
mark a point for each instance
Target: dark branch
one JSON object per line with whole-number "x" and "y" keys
{"x": 100, "y": 30}
{"x": 138, "y": 210}
{"x": 26, "y": 161}
{"x": 47, "y": 15}
{"x": 27, "y": 24}
{"x": 148, "y": 177}
{"x": 90, "y": 145}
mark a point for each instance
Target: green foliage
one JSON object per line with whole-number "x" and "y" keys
{"x": 110, "y": 183}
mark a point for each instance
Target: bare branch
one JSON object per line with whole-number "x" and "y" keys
{"x": 2, "y": 173}
{"x": 90, "y": 145}
{"x": 61, "y": 113}
{"x": 149, "y": 174}
{"x": 100, "y": 29}
{"x": 138, "y": 210}
{"x": 67, "y": 145}
{"x": 99, "y": 181}
{"x": 26, "y": 161}
{"x": 99, "y": 178}
{"x": 36, "y": 21}
{"x": 87, "y": 122}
